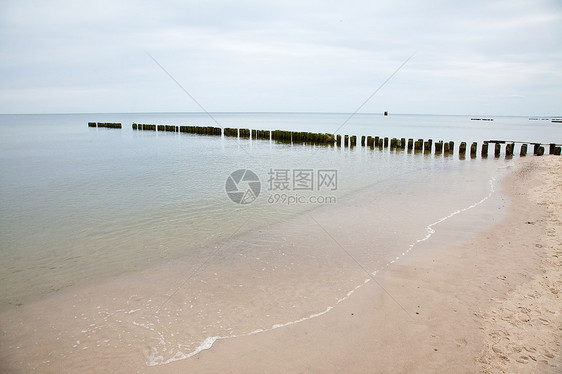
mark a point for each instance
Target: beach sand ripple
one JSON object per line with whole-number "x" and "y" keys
{"x": 524, "y": 331}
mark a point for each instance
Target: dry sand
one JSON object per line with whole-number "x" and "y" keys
{"x": 491, "y": 305}
{"x": 523, "y": 329}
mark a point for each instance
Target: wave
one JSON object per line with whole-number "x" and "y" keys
{"x": 155, "y": 358}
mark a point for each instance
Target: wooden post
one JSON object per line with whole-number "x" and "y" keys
{"x": 462, "y": 149}
{"x": 393, "y": 143}
{"x": 370, "y": 141}
{"x": 446, "y": 148}
{"x": 363, "y": 141}
{"x": 346, "y": 140}
{"x": 93, "y": 124}
{"x": 497, "y": 150}
{"x": 509, "y": 149}
{"x": 536, "y": 148}
{"x": 403, "y": 143}
{"x": 296, "y": 137}
{"x": 353, "y": 141}
{"x": 410, "y": 144}
{"x": 386, "y": 142}
{"x": 316, "y": 138}
{"x": 338, "y": 140}
{"x": 438, "y": 147}
{"x": 109, "y": 125}
{"x": 523, "y": 151}
{"x": 377, "y": 140}
{"x": 551, "y": 150}
{"x": 473, "y": 149}
{"x": 540, "y": 151}
{"x": 452, "y": 147}
{"x": 557, "y": 151}
{"x": 484, "y": 152}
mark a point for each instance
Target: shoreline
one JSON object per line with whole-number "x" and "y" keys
{"x": 416, "y": 305}
{"x": 453, "y": 303}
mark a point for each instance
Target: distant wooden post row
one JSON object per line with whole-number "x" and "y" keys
{"x": 438, "y": 147}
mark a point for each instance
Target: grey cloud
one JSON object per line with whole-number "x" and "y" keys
{"x": 272, "y": 56}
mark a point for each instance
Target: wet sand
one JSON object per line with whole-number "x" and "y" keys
{"x": 488, "y": 304}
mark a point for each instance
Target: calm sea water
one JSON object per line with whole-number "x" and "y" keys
{"x": 80, "y": 204}
{"x": 146, "y": 216}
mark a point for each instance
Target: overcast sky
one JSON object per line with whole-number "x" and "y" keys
{"x": 471, "y": 57}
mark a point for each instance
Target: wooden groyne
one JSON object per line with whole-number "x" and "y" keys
{"x": 205, "y": 130}
{"x": 109, "y": 125}
{"x": 427, "y": 146}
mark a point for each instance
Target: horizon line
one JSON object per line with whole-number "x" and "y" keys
{"x": 289, "y": 112}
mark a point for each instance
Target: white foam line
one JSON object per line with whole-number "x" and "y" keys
{"x": 431, "y": 231}
{"x": 155, "y": 360}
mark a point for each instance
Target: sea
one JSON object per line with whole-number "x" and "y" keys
{"x": 151, "y": 246}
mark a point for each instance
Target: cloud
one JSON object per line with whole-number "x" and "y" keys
{"x": 271, "y": 56}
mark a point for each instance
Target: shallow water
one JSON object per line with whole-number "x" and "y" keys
{"x": 132, "y": 236}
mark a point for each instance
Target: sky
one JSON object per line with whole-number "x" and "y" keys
{"x": 479, "y": 57}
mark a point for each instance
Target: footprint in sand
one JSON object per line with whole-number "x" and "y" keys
{"x": 523, "y": 359}
{"x": 544, "y": 321}
{"x": 548, "y": 354}
{"x": 461, "y": 342}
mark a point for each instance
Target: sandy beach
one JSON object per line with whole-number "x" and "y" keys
{"x": 280, "y": 187}
{"x": 490, "y": 305}
{"x": 486, "y": 304}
